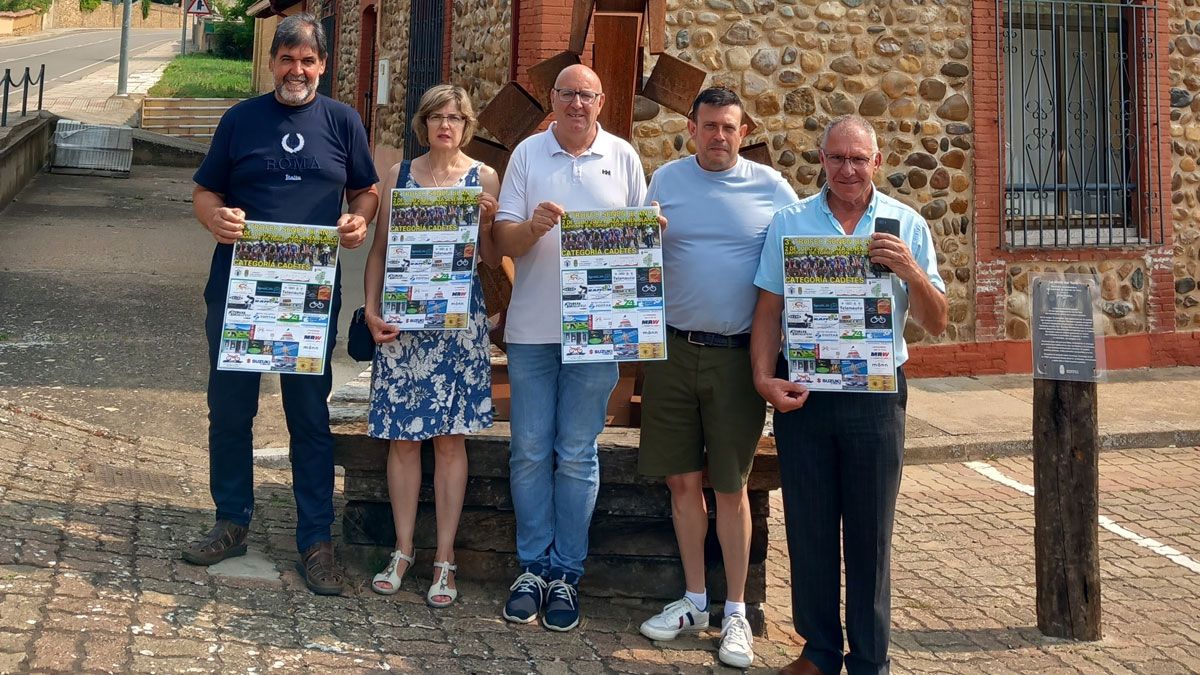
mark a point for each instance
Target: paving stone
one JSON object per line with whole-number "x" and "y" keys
{"x": 962, "y": 588}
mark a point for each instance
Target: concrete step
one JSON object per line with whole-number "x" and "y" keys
{"x": 189, "y": 102}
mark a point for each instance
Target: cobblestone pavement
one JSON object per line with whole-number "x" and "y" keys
{"x": 90, "y": 581}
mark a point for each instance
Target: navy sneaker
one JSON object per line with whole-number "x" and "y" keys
{"x": 562, "y": 603}
{"x": 527, "y": 596}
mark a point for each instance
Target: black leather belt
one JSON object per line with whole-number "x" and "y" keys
{"x": 699, "y": 337}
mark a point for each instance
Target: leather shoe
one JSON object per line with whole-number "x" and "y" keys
{"x": 800, "y": 666}
{"x": 226, "y": 540}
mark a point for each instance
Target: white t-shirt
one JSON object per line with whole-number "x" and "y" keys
{"x": 608, "y": 175}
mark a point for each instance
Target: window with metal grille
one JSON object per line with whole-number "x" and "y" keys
{"x": 1081, "y": 109}
{"x": 426, "y": 25}
{"x": 330, "y": 23}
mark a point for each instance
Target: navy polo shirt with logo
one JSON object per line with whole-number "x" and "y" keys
{"x": 284, "y": 164}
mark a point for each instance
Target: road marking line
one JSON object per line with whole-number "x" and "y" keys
{"x": 112, "y": 58}
{"x": 1171, "y": 553}
{"x": 64, "y": 36}
{"x": 63, "y": 49}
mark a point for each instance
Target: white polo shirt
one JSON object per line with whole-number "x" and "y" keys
{"x": 608, "y": 175}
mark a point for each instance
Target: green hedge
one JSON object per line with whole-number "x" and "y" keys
{"x": 18, "y": 5}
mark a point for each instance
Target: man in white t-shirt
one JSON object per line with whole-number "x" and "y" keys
{"x": 557, "y": 410}
{"x": 700, "y": 407}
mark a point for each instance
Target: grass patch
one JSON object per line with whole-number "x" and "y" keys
{"x": 205, "y": 76}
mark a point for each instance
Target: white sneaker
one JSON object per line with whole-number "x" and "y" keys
{"x": 678, "y": 617}
{"x": 737, "y": 642}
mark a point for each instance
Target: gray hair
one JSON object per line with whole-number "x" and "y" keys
{"x": 300, "y": 30}
{"x": 854, "y": 121}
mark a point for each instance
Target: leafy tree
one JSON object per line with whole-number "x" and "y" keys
{"x": 233, "y": 37}
{"x": 18, "y": 5}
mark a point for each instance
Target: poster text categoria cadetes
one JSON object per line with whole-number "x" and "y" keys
{"x": 433, "y": 234}
{"x": 280, "y": 298}
{"x": 838, "y": 328}
{"x": 612, "y": 286}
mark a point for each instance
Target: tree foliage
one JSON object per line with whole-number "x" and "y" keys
{"x": 233, "y": 37}
{"x": 18, "y": 5}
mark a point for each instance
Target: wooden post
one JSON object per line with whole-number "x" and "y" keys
{"x": 617, "y": 59}
{"x": 1066, "y": 473}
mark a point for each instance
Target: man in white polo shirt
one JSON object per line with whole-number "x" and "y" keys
{"x": 557, "y": 410}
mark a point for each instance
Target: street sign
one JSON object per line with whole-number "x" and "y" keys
{"x": 199, "y": 7}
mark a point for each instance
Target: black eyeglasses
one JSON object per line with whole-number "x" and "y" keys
{"x": 585, "y": 97}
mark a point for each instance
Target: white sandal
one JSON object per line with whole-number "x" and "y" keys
{"x": 389, "y": 576}
{"x": 441, "y": 587}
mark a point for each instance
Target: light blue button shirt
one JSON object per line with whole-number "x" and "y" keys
{"x": 811, "y": 217}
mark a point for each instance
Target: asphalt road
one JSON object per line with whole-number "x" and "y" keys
{"x": 101, "y": 282}
{"x": 72, "y": 56}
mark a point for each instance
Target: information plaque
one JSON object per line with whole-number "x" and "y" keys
{"x": 1065, "y": 342}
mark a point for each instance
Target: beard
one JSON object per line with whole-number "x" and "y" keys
{"x": 292, "y": 96}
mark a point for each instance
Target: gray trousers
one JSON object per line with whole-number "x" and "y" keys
{"x": 840, "y": 460}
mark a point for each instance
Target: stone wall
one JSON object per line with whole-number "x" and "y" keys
{"x": 393, "y": 46}
{"x": 24, "y": 22}
{"x": 66, "y": 14}
{"x": 481, "y": 47}
{"x": 1185, "y": 149}
{"x": 1120, "y": 309}
{"x": 799, "y": 63}
{"x": 345, "y": 84}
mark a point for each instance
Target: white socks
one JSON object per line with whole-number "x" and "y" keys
{"x": 732, "y": 608}
{"x": 700, "y": 600}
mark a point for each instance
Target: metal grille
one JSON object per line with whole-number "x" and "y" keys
{"x": 329, "y": 23}
{"x": 426, "y": 25}
{"x": 130, "y": 478}
{"x": 92, "y": 148}
{"x": 1081, "y": 101}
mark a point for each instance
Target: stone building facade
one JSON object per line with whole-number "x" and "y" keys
{"x": 929, "y": 75}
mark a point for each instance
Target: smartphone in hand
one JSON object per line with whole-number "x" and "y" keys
{"x": 890, "y": 226}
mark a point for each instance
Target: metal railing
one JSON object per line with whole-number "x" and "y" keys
{"x": 24, "y": 83}
{"x": 1082, "y": 111}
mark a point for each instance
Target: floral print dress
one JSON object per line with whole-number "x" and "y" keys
{"x": 434, "y": 383}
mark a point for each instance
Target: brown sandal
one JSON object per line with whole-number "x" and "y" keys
{"x": 226, "y": 540}
{"x": 320, "y": 570}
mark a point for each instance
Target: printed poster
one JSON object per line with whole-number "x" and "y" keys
{"x": 430, "y": 266}
{"x": 279, "y": 300}
{"x": 838, "y": 326}
{"x": 612, "y": 286}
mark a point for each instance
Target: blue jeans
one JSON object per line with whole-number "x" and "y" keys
{"x": 557, "y": 412}
{"x": 232, "y": 406}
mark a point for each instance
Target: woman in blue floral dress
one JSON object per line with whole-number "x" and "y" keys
{"x": 431, "y": 384}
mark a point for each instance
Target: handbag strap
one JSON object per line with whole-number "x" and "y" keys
{"x": 402, "y": 177}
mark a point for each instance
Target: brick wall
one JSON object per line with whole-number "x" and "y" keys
{"x": 996, "y": 328}
{"x": 543, "y": 29}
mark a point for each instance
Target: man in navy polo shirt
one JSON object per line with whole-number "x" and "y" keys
{"x": 290, "y": 156}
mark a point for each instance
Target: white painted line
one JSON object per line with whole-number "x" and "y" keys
{"x": 63, "y": 49}
{"x": 1169, "y": 552}
{"x": 52, "y": 39}
{"x": 992, "y": 472}
{"x": 113, "y": 58}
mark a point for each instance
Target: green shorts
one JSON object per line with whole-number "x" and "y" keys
{"x": 701, "y": 398}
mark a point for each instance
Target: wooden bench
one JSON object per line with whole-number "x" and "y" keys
{"x": 632, "y": 549}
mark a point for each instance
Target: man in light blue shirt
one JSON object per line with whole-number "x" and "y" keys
{"x": 841, "y": 454}
{"x": 700, "y": 405}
